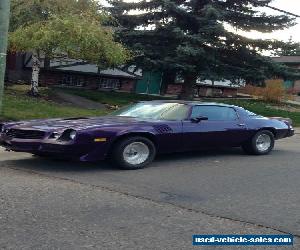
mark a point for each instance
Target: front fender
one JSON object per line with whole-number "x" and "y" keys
{"x": 102, "y": 149}
{"x": 122, "y": 134}
{"x": 279, "y": 128}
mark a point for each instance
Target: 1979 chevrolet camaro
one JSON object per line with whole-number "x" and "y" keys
{"x": 133, "y": 136}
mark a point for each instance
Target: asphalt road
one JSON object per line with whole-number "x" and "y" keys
{"x": 47, "y": 204}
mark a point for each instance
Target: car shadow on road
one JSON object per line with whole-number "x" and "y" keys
{"x": 201, "y": 154}
{"x": 56, "y": 165}
{"x": 167, "y": 160}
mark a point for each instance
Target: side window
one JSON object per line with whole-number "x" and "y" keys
{"x": 215, "y": 113}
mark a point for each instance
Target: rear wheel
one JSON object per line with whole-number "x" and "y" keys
{"x": 261, "y": 143}
{"x": 133, "y": 153}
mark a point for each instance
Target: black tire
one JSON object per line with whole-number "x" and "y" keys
{"x": 252, "y": 147}
{"x": 118, "y": 159}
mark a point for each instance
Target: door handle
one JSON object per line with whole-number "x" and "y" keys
{"x": 241, "y": 124}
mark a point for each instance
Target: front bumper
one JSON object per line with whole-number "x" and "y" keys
{"x": 68, "y": 150}
{"x": 290, "y": 132}
{"x": 283, "y": 133}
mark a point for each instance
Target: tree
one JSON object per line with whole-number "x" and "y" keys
{"x": 72, "y": 28}
{"x": 197, "y": 38}
{"x": 291, "y": 48}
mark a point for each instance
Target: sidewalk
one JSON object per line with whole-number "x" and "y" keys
{"x": 78, "y": 101}
{"x": 293, "y": 102}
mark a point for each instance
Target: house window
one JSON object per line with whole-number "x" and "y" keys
{"x": 70, "y": 80}
{"x": 217, "y": 92}
{"x": 106, "y": 83}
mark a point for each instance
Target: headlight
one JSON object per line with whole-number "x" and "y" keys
{"x": 68, "y": 135}
{"x": 73, "y": 134}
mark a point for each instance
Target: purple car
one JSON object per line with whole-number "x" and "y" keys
{"x": 134, "y": 135}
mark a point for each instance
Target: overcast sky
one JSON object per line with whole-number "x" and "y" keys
{"x": 288, "y": 5}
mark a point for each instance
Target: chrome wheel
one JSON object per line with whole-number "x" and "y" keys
{"x": 263, "y": 142}
{"x": 136, "y": 153}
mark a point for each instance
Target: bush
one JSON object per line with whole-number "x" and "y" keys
{"x": 251, "y": 90}
{"x": 273, "y": 92}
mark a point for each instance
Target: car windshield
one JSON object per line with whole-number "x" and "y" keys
{"x": 156, "y": 111}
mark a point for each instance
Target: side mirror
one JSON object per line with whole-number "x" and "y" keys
{"x": 199, "y": 119}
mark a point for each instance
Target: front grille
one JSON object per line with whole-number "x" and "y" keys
{"x": 25, "y": 134}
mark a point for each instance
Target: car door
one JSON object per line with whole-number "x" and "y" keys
{"x": 222, "y": 127}
{"x": 168, "y": 136}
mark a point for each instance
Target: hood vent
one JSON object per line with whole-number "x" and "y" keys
{"x": 163, "y": 129}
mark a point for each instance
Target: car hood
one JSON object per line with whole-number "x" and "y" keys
{"x": 288, "y": 121}
{"x": 75, "y": 123}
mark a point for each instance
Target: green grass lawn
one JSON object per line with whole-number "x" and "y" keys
{"x": 117, "y": 98}
{"x": 263, "y": 108}
{"x": 111, "y": 98}
{"x": 18, "y": 106}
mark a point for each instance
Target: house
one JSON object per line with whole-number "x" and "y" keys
{"x": 293, "y": 62}
{"x": 15, "y": 70}
{"x": 77, "y": 73}
{"x": 207, "y": 88}
{"x": 151, "y": 83}
{"x": 70, "y": 73}
{"x": 90, "y": 77}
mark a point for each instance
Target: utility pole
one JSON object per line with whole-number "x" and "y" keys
{"x": 4, "y": 22}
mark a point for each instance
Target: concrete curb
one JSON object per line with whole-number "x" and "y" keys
{"x": 293, "y": 102}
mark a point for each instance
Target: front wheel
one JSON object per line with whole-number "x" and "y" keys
{"x": 261, "y": 143}
{"x": 133, "y": 153}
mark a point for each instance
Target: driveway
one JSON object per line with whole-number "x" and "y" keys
{"x": 80, "y": 206}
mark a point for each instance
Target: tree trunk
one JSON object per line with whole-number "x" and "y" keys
{"x": 188, "y": 87}
{"x": 168, "y": 77}
{"x": 36, "y": 67}
{"x": 47, "y": 62}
